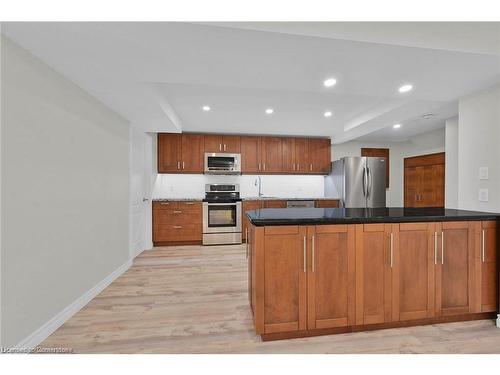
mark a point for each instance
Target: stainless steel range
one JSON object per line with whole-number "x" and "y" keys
{"x": 222, "y": 214}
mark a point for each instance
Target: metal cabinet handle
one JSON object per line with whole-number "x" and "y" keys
{"x": 259, "y": 166}
{"x": 305, "y": 258}
{"x": 178, "y": 165}
{"x": 165, "y": 203}
{"x": 264, "y": 166}
{"x": 183, "y": 165}
{"x": 392, "y": 249}
{"x": 293, "y": 166}
{"x": 298, "y": 166}
{"x": 177, "y": 212}
{"x": 313, "y": 260}
{"x": 190, "y": 203}
{"x": 435, "y": 248}
{"x": 442, "y": 247}
{"x": 220, "y": 146}
{"x": 177, "y": 226}
{"x": 310, "y": 167}
{"x": 246, "y": 242}
{"x": 225, "y": 147}
{"x": 483, "y": 254}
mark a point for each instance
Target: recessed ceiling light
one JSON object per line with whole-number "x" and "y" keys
{"x": 269, "y": 111}
{"x": 396, "y": 126}
{"x": 206, "y": 108}
{"x": 330, "y": 82}
{"x": 405, "y": 88}
{"x": 327, "y": 114}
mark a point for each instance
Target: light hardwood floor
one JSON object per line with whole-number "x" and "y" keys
{"x": 193, "y": 299}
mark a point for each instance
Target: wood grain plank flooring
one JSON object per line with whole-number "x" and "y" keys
{"x": 193, "y": 299}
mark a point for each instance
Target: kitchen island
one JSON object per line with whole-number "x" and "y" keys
{"x": 315, "y": 271}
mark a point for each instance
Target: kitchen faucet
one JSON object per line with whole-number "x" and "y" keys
{"x": 258, "y": 181}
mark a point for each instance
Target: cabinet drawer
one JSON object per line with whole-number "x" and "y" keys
{"x": 333, "y": 203}
{"x": 178, "y": 232}
{"x": 192, "y": 206}
{"x": 177, "y": 217}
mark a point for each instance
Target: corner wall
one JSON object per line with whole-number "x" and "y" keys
{"x": 65, "y": 196}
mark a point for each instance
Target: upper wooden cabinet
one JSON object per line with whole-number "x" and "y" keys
{"x": 180, "y": 153}
{"x": 184, "y": 153}
{"x": 222, "y": 143}
{"x": 424, "y": 178}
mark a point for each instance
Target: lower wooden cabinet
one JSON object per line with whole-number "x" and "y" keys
{"x": 177, "y": 222}
{"x": 331, "y": 293}
{"x": 328, "y": 276}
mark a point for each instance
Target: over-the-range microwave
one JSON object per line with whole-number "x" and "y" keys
{"x": 222, "y": 163}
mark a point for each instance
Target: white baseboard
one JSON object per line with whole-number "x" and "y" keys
{"x": 59, "y": 319}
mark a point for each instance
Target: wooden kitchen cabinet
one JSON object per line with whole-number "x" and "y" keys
{"x": 326, "y": 203}
{"x": 284, "y": 279}
{"x": 251, "y": 154}
{"x": 180, "y": 153}
{"x": 272, "y": 155}
{"x": 222, "y": 143}
{"x": 302, "y": 164}
{"x": 169, "y": 152}
{"x": 331, "y": 276}
{"x": 374, "y": 272}
{"x": 319, "y": 155}
{"x": 424, "y": 178}
{"x": 487, "y": 266}
{"x": 413, "y": 281}
{"x": 288, "y": 155}
{"x": 177, "y": 222}
{"x": 455, "y": 290}
{"x": 274, "y": 204}
{"x": 248, "y": 206}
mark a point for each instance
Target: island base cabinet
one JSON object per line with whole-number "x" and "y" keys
{"x": 331, "y": 289}
{"x": 487, "y": 266}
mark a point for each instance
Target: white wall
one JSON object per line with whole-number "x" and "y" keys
{"x": 479, "y": 146}
{"x": 65, "y": 192}
{"x": 193, "y": 186}
{"x": 451, "y": 164}
{"x": 422, "y": 144}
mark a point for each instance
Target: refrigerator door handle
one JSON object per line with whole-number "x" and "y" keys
{"x": 364, "y": 181}
{"x": 368, "y": 182}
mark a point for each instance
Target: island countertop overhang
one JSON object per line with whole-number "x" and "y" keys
{"x": 325, "y": 216}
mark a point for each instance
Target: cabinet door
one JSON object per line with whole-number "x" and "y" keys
{"x": 488, "y": 269}
{"x": 169, "y": 152}
{"x": 250, "y": 154}
{"x": 319, "y": 156}
{"x": 275, "y": 204}
{"x": 331, "y": 291}
{"x": 288, "y": 148}
{"x": 213, "y": 143}
{"x": 327, "y": 203}
{"x": 248, "y": 206}
{"x": 192, "y": 153}
{"x": 284, "y": 279}
{"x": 432, "y": 186}
{"x": 412, "y": 183}
{"x": 272, "y": 155}
{"x": 301, "y": 155}
{"x": 413, "y": 272}
{"x": 455, "y": 268}
{"x": 231, "y": 144}
{"x": 373, "y": 273}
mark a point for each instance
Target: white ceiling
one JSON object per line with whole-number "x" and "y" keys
{"x": 159, "y": 75}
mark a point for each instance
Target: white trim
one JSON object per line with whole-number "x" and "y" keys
{"x": 59, "y": 319}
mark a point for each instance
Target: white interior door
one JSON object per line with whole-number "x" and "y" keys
{"x": 140, "y": 192}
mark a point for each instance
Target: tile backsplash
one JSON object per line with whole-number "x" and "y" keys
{"x": 283, "y": 186}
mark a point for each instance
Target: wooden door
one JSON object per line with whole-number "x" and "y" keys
{"x": 319, "y": 156}
{"x": 331, "y": 279}
{"x": 192, "y": 153}
{"x": 213, "y": 143}
{"x": 413, "y": 284}
{"x": 432, "y": 188}
{"x": 169, "y": 152}
{"x": 455, "y": 268}
{"x": 288, "y": 157}
{"x": 424, "y": 180}
{"x": 487, "y": 257}
{"x": 301, "y": 155}
{"x": 412, "y": 183}
{"x": 231, "y": 144}
{"x": 272, "y": 155}
{"x": 284, "y": 278}
{"x": 373, "y": 273}
{"x": 248, "y": 206}
{"x": 250, "y": 154}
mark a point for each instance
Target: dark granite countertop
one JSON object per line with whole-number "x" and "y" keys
{"x": 313, "y": 216}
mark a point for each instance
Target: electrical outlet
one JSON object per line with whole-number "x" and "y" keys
{"x": 483, "y": 195}
{"x": 483, "y": 173}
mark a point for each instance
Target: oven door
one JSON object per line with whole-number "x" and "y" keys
{"x": 218, "y": 163}
{"x": 221, "y": 217}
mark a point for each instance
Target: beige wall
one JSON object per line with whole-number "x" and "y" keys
{"x": 65, "y": 189}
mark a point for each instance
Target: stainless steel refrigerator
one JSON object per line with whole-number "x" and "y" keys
{"x": 358, "y": 181}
